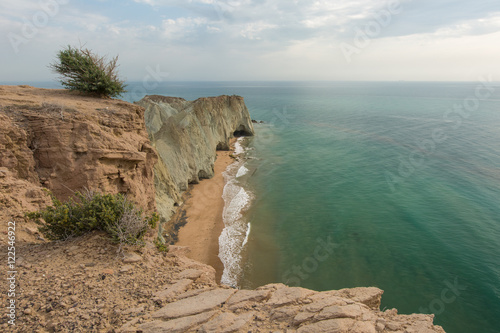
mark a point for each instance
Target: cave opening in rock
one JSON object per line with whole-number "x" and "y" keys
{"x": 241, "y": 131}
{"x": 222, "y": 146}
{"x": 202, "y": 174}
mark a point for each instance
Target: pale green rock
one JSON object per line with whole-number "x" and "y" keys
{"x": 186, "y": 135}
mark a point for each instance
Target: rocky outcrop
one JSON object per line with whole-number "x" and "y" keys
{"x": 81, "y": 285}
{"x": 66, "y": 142}
{"x": 186, "y": 135}
{"x": 188, "y": 305}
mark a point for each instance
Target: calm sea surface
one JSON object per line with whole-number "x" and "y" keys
{"x": 394, "y": 185}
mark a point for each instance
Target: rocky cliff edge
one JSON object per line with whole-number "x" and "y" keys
{"x": 186, "y": 135}
{"x": 66, "y": 142}
{"x": 81, "y": 285}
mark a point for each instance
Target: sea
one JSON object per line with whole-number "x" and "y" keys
{"x": 352, "y": 184}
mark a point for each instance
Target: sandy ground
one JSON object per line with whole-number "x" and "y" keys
{"x": 203, "y": 208}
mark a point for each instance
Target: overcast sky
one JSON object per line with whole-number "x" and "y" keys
{"x": 444, "y": 40}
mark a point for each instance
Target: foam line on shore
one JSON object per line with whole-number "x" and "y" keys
{"x": 241, "y": 171}
{"x": 234, "y": 236}
{"x": 245, "y": 241}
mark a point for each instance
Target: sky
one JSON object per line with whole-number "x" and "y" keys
{"x": 258, "y": 40}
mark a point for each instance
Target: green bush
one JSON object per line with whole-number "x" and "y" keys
{"x": 84, "y": 71}
{"x": 161, "y": 246}
{"x": 94, "y": 211}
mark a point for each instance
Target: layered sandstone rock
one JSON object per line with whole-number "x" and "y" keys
{"x": 67, "y": 142}
{"x": 20, "y": 189}
{"x": 186, "y": 135}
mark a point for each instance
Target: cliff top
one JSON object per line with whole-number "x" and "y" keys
{"x": 31, "y": 96}
{"x": 170, "y": 99}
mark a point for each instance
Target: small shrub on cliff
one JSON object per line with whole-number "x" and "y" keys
{"x": 94, "y": 211}
{"x": 161, "y": 246}
{"x": 84, "y": 71}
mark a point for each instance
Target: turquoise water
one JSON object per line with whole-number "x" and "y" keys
{"x": 340, "y": 168}
{"x": 392, "y": 185}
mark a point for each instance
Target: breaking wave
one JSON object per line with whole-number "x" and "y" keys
{"x": 236, "y": 230}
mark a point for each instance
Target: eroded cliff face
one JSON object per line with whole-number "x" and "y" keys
{"x": 186, "y": 135}
{"x": 20, "y": 189}
{"x": 67, "y": 142}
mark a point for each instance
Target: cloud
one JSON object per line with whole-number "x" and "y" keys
{"x": 252, "y": 30}
{"x": 301, "y": 20}
{"x": 147, "y": 2}
{"x": 19, "y": 9}
{"x": 254, "y": 38}
{"x": 92, "y": 22}
{"x": 483, "y": 26}
{"x": 182, "y": 27}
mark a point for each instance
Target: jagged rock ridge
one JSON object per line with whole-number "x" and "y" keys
{"x": 186, "y": 135}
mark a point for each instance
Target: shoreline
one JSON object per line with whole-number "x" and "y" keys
{"x": 202, "y": 214}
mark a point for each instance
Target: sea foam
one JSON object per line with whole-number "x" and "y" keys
{"x": 241, "y": 171}
{"x": 234, "y": 236}
{"x": 238, "y": 148}
{"x": 245, "y": 241}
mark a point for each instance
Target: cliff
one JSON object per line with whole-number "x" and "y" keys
{"x": 66, "y": 142}
{"x": 186, "y": 135}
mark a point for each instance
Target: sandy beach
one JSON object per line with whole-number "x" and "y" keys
{"x": 202, "y": 209}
